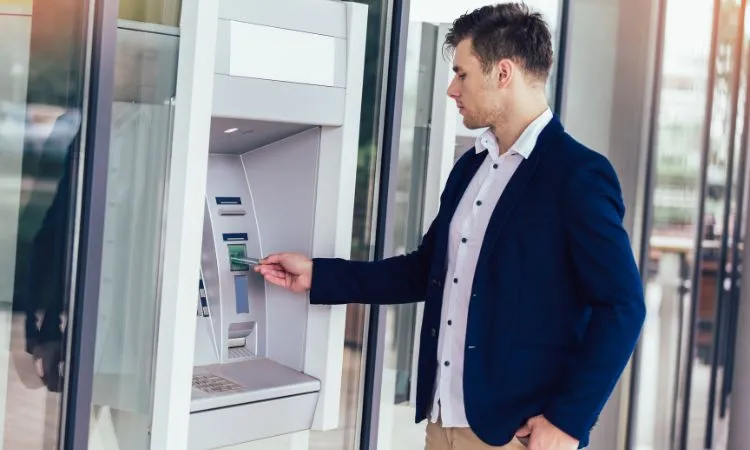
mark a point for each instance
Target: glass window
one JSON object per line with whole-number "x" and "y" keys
{"x": 42, "y": 57}
{"x": 140, "y": 144}
{"x": 426, "y": 75}
{"x": 690, "y": 295}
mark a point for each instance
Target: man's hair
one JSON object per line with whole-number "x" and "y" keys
{"x": 505, "y": 30}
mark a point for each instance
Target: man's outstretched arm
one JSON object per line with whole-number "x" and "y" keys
{"x": 400, "y": 279}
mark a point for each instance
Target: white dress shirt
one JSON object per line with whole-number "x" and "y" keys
{"x": 467, "y": 230}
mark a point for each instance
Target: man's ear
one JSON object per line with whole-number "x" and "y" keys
{"x": 505, "y": 72}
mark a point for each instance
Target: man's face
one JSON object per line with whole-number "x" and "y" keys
{"x": 477, "y": 94}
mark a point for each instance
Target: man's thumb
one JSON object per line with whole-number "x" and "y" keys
{"x": 524, "y": 430}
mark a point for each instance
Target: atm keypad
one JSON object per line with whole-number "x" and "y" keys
{"x": 213, "y": 384}
{"x": 240, "y": 352}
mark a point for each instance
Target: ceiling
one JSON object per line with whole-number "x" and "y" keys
{"x": 250, "y": 134}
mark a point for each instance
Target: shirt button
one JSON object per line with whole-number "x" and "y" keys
{"x": 455, "y": 280}
{"x": 447, "y": 363}
{"x": 494, "y": 166}
{"x": 450, "y": 322}
{"x": 479, "y": 203}
{"x": 464, "y": 240}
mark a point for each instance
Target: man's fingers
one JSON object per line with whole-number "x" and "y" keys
{"x": 524, "y": 430}
{"x": 271, "y": 271}
{"x": 523, "y": 434}
{"x": 278, "y": 281}
{"x": 272, "y": 259}
{"x": 265, "y": 267}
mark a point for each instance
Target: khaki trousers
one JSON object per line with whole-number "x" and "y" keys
{"x": 439, "y": 438}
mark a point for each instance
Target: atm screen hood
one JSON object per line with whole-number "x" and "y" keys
{"x": 237, "y": 136}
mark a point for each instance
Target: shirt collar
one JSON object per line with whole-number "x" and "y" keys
{"x": 525, "y": 143}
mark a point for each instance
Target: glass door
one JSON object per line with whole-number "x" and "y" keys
{"x": 396, "y": 426}
{"x": 42, "y": 77}
{"x": 683, "y": 377}
{"x": 715, "y": 292}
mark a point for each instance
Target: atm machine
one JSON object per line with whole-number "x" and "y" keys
{"x": 281, "y": 172}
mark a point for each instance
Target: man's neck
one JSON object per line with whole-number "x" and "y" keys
{"x": 516, "y": 121}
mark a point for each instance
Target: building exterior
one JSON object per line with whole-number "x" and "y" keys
{"x": 149, "y": 149}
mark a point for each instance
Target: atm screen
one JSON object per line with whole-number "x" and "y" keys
{"x": 239, "y": 250}
{"x": 242, "y": 302}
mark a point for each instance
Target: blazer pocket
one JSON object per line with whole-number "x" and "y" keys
{"x": 536, "y": 370}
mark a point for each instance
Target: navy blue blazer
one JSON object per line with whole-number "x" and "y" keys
{"x": 557, "y": 300}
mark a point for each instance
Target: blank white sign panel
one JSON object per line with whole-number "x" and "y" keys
{"x": 269, "y": 53}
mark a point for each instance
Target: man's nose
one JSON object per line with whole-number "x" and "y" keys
{"x": 453, "y": 91}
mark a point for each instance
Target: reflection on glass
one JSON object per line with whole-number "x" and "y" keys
{"x": 42, "y": 52}
{"x": 704, "y": 431}
{"x": 146, "y": 66}
{"x": 675, "y": 200}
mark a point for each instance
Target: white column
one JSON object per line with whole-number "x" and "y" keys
{"x": 184, "y": 224}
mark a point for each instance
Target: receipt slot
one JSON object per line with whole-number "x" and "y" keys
{"x": 280, "y": 177}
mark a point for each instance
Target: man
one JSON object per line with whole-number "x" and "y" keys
{"x": 533, "y": 301}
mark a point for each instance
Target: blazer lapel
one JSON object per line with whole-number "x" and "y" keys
{"x": 456, "y": 193}
{"x": 517, "y": 185}
{"x": 465, "y": 179}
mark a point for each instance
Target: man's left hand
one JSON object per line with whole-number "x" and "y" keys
{"x": 542, "y": 435}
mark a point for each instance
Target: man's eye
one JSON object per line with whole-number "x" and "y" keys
{"x": 462, "y": 76}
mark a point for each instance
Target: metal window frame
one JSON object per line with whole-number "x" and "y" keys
{"x": 101, "y": 40}
{"x": 722, "y": 294}
{"x": 647, "y": 213}
{"x": 395, "y": 49}
{"x": 696, "y": 275}
{"x": 739, "y": 234}
{"x": 740, "y": 334}
{"x": 562, "y": 52}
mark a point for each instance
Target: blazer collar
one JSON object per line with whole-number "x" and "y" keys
{"x": 517, "y": 184}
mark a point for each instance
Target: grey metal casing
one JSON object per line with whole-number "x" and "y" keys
{"x": 276, "y": 185}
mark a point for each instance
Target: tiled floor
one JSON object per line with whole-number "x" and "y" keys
{"x": 31, "y": 412}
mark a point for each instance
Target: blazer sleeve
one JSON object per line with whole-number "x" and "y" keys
{"x": 610, "y": 283}
{"x": 400, "y": 279}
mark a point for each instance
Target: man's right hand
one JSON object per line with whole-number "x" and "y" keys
{"x": 292, "y": 271}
